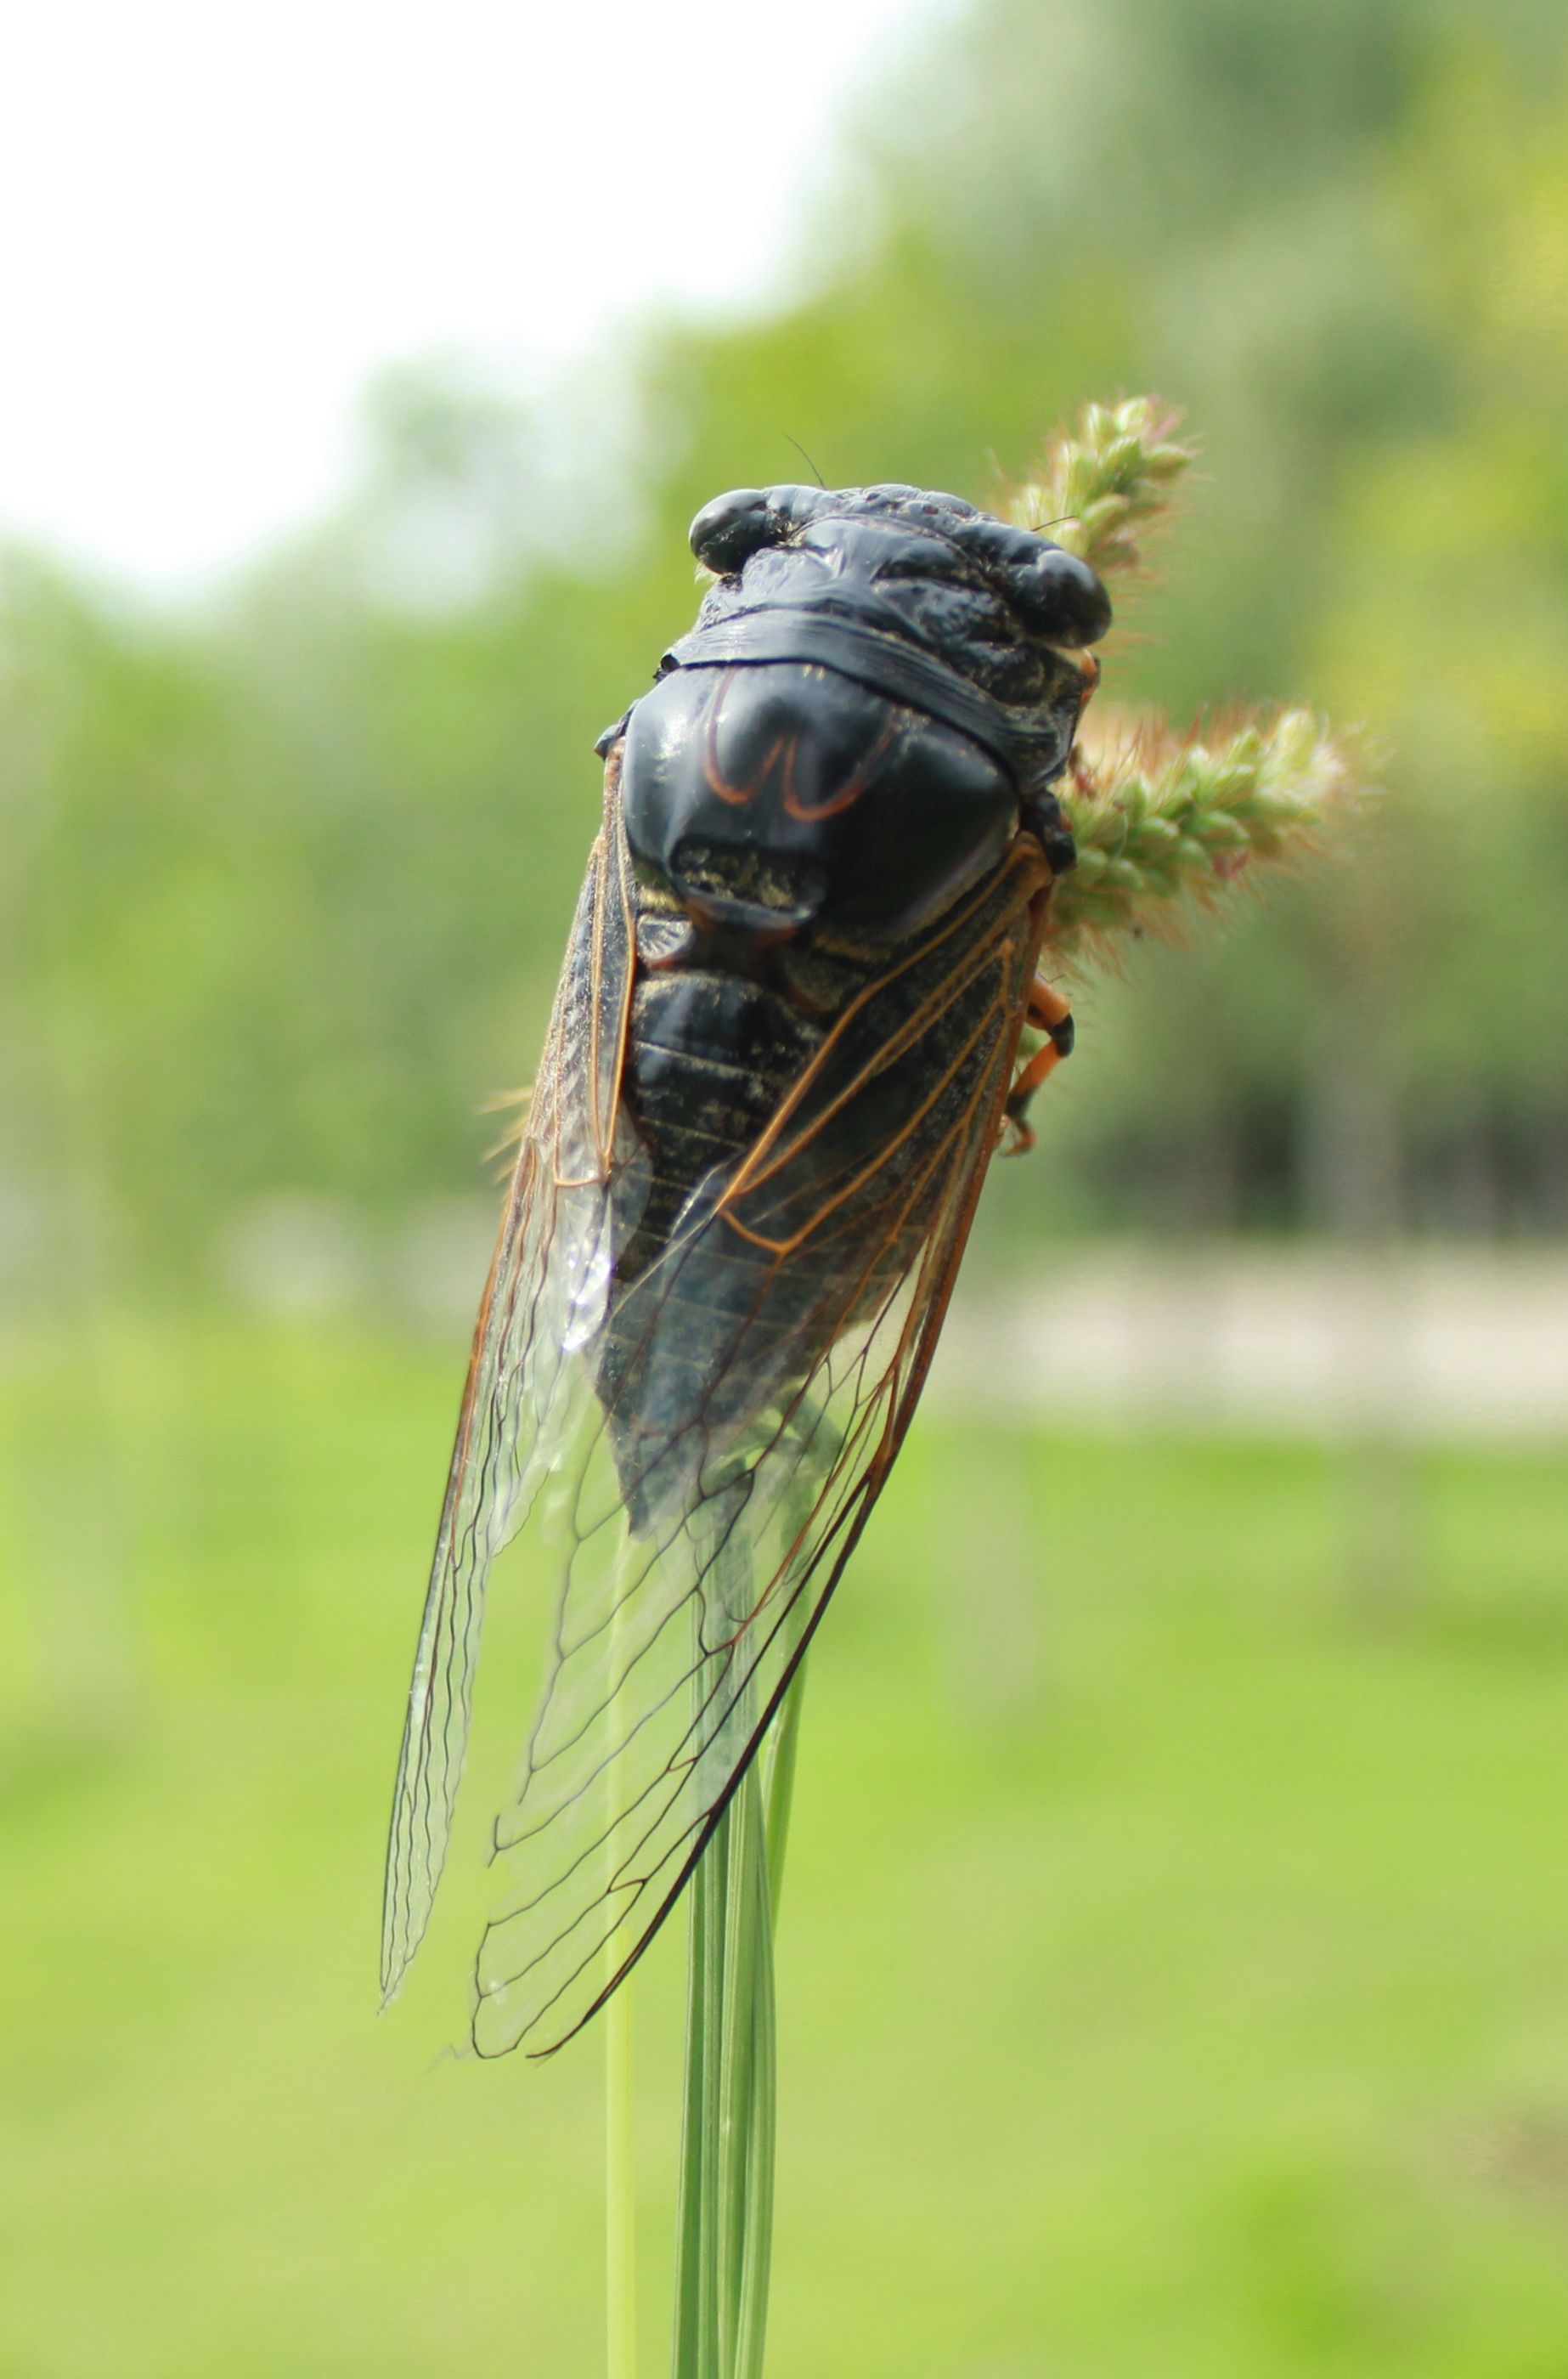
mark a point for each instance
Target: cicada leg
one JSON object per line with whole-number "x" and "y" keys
{"x": 1049, "y": 1013}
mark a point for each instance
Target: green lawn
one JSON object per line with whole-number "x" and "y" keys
{"x": 1175, "y": 1975}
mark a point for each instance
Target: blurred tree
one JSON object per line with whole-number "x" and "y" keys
{"x": 291, "y": 878}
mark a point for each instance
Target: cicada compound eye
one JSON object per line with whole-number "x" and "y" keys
{"x": 1056, "y": 597}
{"x": 730, "y": 529}
{"x": 1059, "y": 598}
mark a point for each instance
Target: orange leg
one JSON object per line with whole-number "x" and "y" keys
{"x": 1049, "y": 1013}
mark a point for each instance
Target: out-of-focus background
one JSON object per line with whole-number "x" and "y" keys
{"x": 1175, "y": 1977}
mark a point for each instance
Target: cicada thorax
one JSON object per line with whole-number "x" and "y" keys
{"x": 839, "y": 809}
{"x": 785, "y": 799}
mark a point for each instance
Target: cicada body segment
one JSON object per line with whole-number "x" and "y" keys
{"x": 756, "y": 1249}
{"x": 788, "y": 798}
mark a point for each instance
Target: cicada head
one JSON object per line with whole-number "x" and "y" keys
{"x": 999, "y": 606}
{"x": 882, "y": 686}
{"x": 1053, "y": 597}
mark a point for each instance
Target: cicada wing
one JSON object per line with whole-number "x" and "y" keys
{"x": 543, "y": 1302}
{"x": 754, "y": 1388}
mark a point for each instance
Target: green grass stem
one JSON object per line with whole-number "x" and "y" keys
{"x": 725, "y": 2230}
{"x": 621, "y": 2191}
{"x": 783, "y": 1752}
{"x": 620, "y": 2154}
{"x": 726, "y": 2218}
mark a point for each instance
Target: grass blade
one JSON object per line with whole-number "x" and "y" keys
{"x": 725, "y": 2235}
{"x": 620, "y": 2197}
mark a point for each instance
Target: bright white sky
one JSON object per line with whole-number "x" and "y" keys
{"x": 217, "y": 218}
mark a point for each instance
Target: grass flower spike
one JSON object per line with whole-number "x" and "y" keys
{"x": 1163, "y": 821}
{"x": 1101, "y": 489}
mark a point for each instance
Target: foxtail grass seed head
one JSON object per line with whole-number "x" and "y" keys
{"x": 1162, "y": 821}
{"x": 1102, "y": 488}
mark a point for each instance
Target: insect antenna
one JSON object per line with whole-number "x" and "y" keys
{"x": 806, "y": 459}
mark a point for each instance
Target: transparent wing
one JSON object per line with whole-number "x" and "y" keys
{"x": 544, "y": 1302}
{"x": 751, "y": 1391}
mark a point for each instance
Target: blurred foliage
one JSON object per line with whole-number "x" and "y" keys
{"x": 1271, "y": 2073}
{"x": 284, "y": 884}
{"x": 1173, "y": 1975}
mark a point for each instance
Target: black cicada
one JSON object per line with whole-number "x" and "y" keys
{"x": 784, "y": 1048}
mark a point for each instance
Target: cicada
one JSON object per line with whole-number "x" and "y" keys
{"x": 785, "y": 1043}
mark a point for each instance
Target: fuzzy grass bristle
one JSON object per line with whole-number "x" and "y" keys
{"x": 1163, "y": 821}
{"x": 515, "y": 1106}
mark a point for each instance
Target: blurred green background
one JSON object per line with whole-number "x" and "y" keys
{"x": 1175, "y": 1967}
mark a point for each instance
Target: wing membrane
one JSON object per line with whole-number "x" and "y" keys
{"x": 751, "y": 1391}
{"x": 545, "y": 1300}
